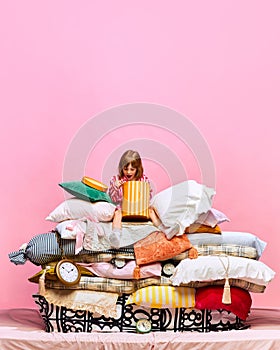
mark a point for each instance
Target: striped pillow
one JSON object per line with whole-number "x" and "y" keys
{"x": 163, "y": 297}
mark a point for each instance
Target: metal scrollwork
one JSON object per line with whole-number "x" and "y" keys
{"x": 65, "y": 320}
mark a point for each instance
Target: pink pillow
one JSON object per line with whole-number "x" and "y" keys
{"x": 211, "y": 298}
{"x": 212, "y": 218}
{"x": 107, "y": 270}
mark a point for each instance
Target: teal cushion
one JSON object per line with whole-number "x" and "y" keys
{"x": 82, "y": 191}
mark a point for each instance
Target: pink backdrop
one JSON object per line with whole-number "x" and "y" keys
{"x": 63, "y": 62}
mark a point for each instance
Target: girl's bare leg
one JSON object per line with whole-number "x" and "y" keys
{"x": 169, "y": 232}
{"x": 115, "y": 237}
{"x": 154, "y": 217}
{"x": 117, "y": 220}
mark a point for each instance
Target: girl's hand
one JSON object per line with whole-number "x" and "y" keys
{"x": 119, "y": 183}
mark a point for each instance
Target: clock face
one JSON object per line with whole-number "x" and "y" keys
{"x": 168, "y": 269}
{"x": 143, "y": 326}
{"x": 68, "y": 272}
{"x": 119, "y": 263}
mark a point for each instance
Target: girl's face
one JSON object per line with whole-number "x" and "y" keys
{"x": 129, "y": 172}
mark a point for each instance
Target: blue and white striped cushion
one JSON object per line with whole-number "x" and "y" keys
{"x": 44, "y": 248}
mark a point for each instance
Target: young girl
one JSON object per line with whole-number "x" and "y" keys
{"x": 130, "y": 169}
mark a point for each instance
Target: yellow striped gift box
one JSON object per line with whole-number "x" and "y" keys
{"x": 136, "y": 199}
{"x": 163, "y": 297}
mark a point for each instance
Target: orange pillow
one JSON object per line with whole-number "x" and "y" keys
{"x": 156, "y": 247}
{"x": 200, "y": 228}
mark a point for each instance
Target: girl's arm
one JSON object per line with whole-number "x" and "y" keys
{"x": 146, "y": 179}
{"x": 115, "y": 192}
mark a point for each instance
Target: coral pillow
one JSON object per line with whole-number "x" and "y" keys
{"x": 211, "y": 298}
{"x": 156, "y": 247}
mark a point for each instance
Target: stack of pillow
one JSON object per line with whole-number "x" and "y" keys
{"x": 227, "y": 268}
{"x": 222, "y": 277}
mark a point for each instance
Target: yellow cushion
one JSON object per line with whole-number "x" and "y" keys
{"x": 163, "y": 297}
{"x": 200, "y": 228}
{"x": 94, "y": 184}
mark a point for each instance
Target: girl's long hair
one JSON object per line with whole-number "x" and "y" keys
{"x": 133, "y": 158}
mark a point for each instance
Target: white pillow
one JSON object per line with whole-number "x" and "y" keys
{"x": 212, "y": 218}
{"x": 70, "y": 228}
{"x": 211, "y": 268}
{"x": 181, "y": 204}
{"x": 75, "y": 208}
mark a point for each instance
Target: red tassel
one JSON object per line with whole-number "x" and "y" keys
{"x": 136, "y": 272}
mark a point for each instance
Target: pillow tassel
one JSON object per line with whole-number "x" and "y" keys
{"x": 226, "y": 294}
{"x": 192, "y": 253}
{"x": 136, "y": 272}
{"x": 42, "y": 289}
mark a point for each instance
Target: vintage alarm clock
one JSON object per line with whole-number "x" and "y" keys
{"x": 119, "y": 263}
{"x": 143, "y": 325}
{"x": 168, "y": 269}
{"x": 68, "y": 272}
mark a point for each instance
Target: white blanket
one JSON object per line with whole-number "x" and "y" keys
{"x": 97, "y": 234}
